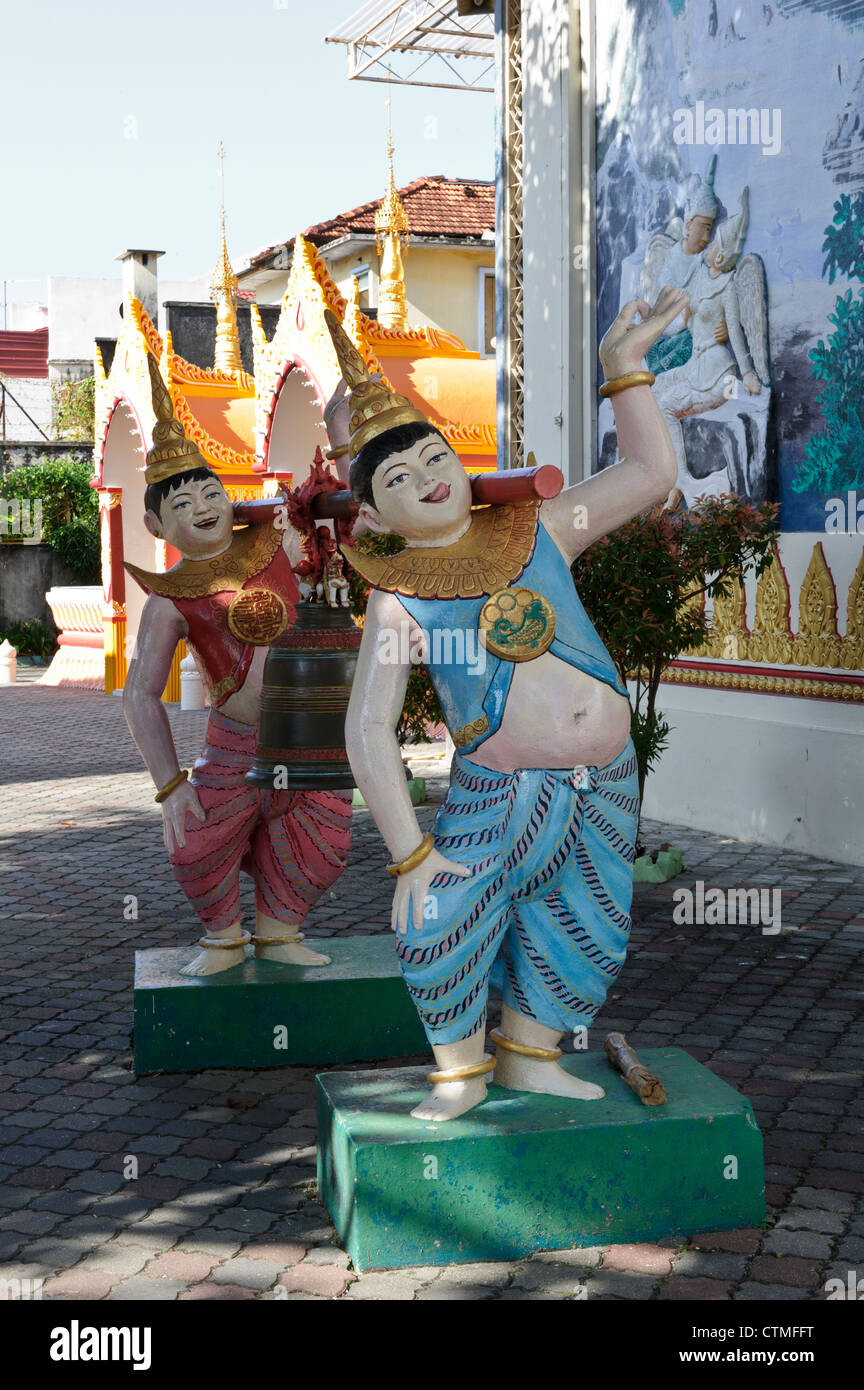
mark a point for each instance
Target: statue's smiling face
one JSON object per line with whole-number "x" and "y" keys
{"x": 196, "y": 518}
{"x": 421, "y": 491}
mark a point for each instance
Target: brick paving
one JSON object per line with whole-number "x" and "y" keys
{"x": 225, "y": 1205}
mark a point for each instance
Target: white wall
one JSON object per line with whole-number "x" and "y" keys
{"x": 81, "y": 309}
{"x": 26, "y": 318}
{"x": 772, "y": 769}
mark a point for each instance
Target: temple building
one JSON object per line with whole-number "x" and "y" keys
{"x": 254, "y": 405}
{"x": 449, "y": 276}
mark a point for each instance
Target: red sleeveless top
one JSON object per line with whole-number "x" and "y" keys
{"x": 239, "y": 600}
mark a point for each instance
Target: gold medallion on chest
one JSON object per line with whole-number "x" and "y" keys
{"x": 257, "y": 616}
{"x": 517, "y": 624}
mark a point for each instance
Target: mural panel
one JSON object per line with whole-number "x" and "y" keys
{"x": 730, "y": 160}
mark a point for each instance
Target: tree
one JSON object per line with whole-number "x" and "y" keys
{"x": 643, "y": 589}
{"x": 834, "y": 457}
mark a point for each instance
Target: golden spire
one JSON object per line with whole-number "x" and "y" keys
{"x": 391, "y": 233}
{"x": 374, "y": 407}
{"x": 223, "y": 292}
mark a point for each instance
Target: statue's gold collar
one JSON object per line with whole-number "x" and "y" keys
{"x": 249, "y": 553}
{"x": 494, "y": 550}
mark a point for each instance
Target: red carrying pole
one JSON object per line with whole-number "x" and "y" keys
{"x": 515, "y": 485}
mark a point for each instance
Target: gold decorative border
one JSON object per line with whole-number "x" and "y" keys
{"x": 237, "y": 382}
{"x": 402, "y": 342}
{"x": 811, "y": 686}
{"x": 817, "y": 643}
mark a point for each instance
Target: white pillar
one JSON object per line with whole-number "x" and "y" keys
{"x": 140, "y": 279}
{"x": 558, "y": 331}
{"x": 191, "y": 685}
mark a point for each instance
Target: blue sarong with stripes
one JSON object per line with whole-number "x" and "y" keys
{"x": 544, "y": 918}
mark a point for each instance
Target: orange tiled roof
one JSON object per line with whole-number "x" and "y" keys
{"x": 436, "y": 207}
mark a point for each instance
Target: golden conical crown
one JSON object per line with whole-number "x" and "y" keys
{"x": 374, "y": 407}
{"x": 172, "y": 452}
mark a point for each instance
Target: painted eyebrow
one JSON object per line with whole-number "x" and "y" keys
{"x": 182, "y": 492}
{"x": 433, "y": 444}
{"x": 391, "y": 466}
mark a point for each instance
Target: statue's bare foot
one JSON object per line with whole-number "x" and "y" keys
{"x": 291, "y": 953}
{"x": 212, "y": 959}
{"x": 675, "y": 501}
{"x": 530, "y": 1074}
{"x": 451, "y": 1098}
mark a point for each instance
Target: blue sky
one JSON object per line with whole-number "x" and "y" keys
{"x": 112, "y": 113}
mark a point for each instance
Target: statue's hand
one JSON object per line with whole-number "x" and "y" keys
{"x": 412, "y": 889}
{"x": 751, "y": 383}
{"x": 336, "y": 416}
{"x": 721, "y": 333}
{"x": 182, "y": 802}
{"x": 626, "y": 343}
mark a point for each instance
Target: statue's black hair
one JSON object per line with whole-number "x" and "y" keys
{"x": 379, "y": 449}
{"x": 157, "y": 492}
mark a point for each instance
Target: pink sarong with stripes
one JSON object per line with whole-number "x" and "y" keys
{"x": 293, "y": 845}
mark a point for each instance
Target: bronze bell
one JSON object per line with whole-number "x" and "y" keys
{"x": 304, "y": 699}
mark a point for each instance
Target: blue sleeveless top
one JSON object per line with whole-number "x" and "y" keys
{"x": 473, "y": 691}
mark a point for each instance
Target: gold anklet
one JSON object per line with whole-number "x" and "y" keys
{"x": 277, "y": 940}
{"x": 621, "y": 383}
{"x": 544, "y": 1054}
{"x": 242, "y": 940}
{"x": 423, "y": 850}
{"x": 462, "y": 1073}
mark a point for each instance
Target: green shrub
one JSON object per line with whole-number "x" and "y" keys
{"x": 639, "y": 584}
{"x": 74, "y": 408}
{"x": 70, "y": 511}
{"x": 31, "y": 638}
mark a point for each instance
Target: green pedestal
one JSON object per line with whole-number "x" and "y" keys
{"x": 524, "y": 1172}
{"x": 261, "y": 1014}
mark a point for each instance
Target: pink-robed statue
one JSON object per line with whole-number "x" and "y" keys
{"x": 526, "y": 882}
{"x": 232, "y": 593}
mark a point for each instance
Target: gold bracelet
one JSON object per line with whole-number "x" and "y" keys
{"x": 621, "y": 383}
{"x": 545, "y": 1054}
{"x": 170, "y": 786}
{"x": 462, "y": 1073}
{"x": 242, "y": 940}
{"x": 425, "y": 848}
{"x": 337, "y": 453}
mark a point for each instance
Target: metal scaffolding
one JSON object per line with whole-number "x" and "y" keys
{"x": 420, "y": 43}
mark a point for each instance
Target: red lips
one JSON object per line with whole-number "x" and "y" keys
{"x": 439, "y": 493}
